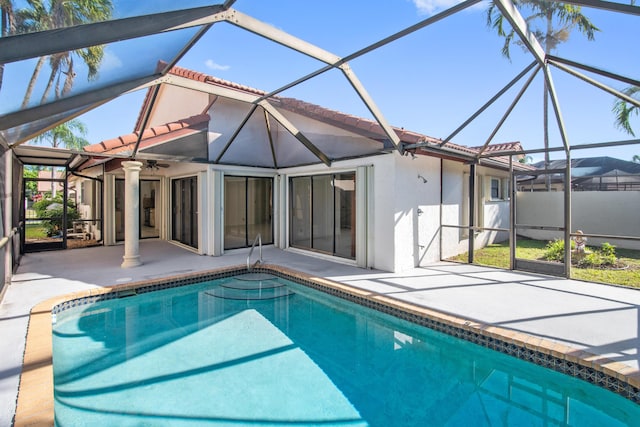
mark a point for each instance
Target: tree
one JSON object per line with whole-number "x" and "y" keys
{"x": 636, "y": 158}
{"x": 624, "y": 110}
{"x": 526, "y": 160}
{"x": 70, "y": 135}
{"x": 6, "y": 26}
{"x": 50, "y": 14}
{"x": 552, "y": 23}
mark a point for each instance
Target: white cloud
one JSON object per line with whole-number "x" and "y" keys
{"x": 210, "y": 63}
{"x": 110, "y": 61}
{"x": 429, "y": 7}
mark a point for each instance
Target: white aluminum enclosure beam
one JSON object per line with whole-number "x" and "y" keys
{"x": 597, "y": 84}
{"x": 267, "y": 124}
{"x": 32, "y": 45}
{"x": 377, "y": 114}
{"x": 86, "y": 99}
{"x": 413, "y": 28}
{"x": 212, "y": 89}
{"x": 628, "y": 80}
{"x": 278, "y": 36}
{"x": 295, "y": 132}
{"x": 249, "y": 99}
{"x": 269, "y": 32}
{"x": 508, "y": 112}
{"x": 236, "y": 132}
{"x": 378, "y": 44}
{"x": 556, "y": 110}
{"x": 491, "y": 101}
{"x": 519, "y": 25}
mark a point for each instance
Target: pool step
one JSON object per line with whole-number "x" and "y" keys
{"x": 250, "y": 290}
{"x": 255, "y": 276}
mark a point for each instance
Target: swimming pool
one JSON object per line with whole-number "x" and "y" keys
{"x": 260, "y": 350}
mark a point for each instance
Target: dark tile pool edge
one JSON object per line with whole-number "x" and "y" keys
{"x": 35, "y": 392}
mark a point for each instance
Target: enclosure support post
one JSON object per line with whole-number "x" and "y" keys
{"x": 131, "y": 256}
{"x": 472, "y": 210}
{"x": 512, "y": 217}
{"x": 567, "y": 217}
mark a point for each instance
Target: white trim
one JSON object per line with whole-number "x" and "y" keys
{"x": 362, "y": 223}
{"x": 322, "y": 255}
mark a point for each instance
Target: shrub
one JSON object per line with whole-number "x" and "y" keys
{"x": 554, "y": 251}
{"x": 51, "y": 210}
{"x": 606, "y": 256}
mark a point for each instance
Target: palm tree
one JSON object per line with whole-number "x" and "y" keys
{"x": 6, "y": 26}
{"x": 50, "y": 14}
{"x": 70, "y": 135}
{"x": 636, "y": 158}
{"x": 624, "y": 110}
{"x": 557, "y": 21}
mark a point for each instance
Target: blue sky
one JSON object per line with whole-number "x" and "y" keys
{"x": 429, "y": 82}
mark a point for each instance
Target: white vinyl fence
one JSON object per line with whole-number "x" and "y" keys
{"x": 594, "y": 212}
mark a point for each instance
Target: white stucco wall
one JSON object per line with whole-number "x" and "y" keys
{"x": 416, "y": 211}
{"x": 495, "y": 213}
{"x": 593, "y": 212}
{"x": 183, "y": 104}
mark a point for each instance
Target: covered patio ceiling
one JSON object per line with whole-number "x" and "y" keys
{"x": 165, "y": 36}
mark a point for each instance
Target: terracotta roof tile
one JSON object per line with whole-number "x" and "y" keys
{"x": 505, "y": 146}
{"x": 125, "y": 141}
{"x": 333, "y": 117}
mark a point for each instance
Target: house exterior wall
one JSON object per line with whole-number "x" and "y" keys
{"x": 416, "y": 211}
{"x": 492, "y": 212}
{"x": 594, "y": 212}
{"x": 184, "y": 103}
{"x": 401, "y": 200}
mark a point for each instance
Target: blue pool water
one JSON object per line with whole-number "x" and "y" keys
{"x": 256, "y": 350}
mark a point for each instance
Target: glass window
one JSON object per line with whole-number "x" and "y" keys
{"x": 495, "y": 189}
{"x": 323, "y": 214}
{"x": 184, "y": 218}
{"x": 300, "y": 233}
{"x": 248, "y": 211}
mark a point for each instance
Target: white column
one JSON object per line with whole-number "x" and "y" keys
{"x": 131, "y": 256}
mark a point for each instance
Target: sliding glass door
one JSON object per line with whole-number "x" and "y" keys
{"x": 184, "y": 218}
{"x": 322, "y": 216}
{"x": 149, "y": 215}
{"x": 248, "y": 211}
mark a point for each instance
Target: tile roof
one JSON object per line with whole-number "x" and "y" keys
{"x": 366, "y": 127}
{"x": 505, "y": 146}
{"x": 151, "y": 136}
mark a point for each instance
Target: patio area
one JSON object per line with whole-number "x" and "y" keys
{"x": 598, "y": 319}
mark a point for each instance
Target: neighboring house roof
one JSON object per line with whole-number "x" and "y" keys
{"x": 367, "y": 128}
{"x": 592, "y": 173}
{"x": 505, "y": 146}
{"x": 594, "y": 166}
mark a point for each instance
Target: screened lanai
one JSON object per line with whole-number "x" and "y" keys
{"x": 437, "y": 71}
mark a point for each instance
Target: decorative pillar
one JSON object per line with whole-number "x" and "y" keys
{"x": 131, "y": 256}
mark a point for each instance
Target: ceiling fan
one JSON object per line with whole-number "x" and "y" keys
{"x": 153, "y": 164}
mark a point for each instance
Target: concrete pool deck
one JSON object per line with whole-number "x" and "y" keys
{"x": 587, "y": 317}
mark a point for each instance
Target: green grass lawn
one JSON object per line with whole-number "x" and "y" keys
{"x": 497, "y": 255}
{"x": 34, "y": 231}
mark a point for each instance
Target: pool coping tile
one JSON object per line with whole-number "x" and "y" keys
{"x": 35, "y": 402}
